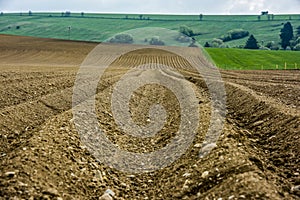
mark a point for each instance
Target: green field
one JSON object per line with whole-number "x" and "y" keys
{"x": 99, "y": 27}
{"x": 254, "y": 59}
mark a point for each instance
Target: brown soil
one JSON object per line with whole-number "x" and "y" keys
{"x": 42, "y": 156}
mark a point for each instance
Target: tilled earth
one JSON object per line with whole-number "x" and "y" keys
{"x": 42, "y": 156}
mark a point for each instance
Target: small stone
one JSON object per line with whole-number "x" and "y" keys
{"x": 205, "y": 174}
{"x": 231, "y": 197}
{"x": 110, "y": 192}
{"x": 123, "y": 184}
{"x": 258, "y": 123}
{"x": 51, "y": 191}
{"x": 10, "y": 174}
{"x": 296, "y": 174}
{"x": 185, "y": 185}
{"x": 45, "y": 197}
{"x": 295, "y": 189}
{"x": 22, "y": 184}
{"x": 206, "y": 149}
{"x": 186, "y": 175}
{"x": 242, "y": 196}
{"x": 198, "y": 145}
{"x": 105, "y": 197}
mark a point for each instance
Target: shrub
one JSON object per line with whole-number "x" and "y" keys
{"x": 272, "y": 45}
{"x": 207, "y": 44}
{"x": 122, "y": 38}
{"x": 216, "y": 43}
{"x": 234, "y": 35}
{"x": 156, "y": 41}
{"x": 183, "y": 39}
{"x": 186, "y": 31}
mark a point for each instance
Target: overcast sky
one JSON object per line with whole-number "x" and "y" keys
{"x": 155, "y": 6}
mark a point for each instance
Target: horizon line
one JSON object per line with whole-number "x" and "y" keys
{"x": 148, "y": 13}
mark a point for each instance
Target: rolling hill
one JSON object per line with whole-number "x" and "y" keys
{"x": 98, "y": 27}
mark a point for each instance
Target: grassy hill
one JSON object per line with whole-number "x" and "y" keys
{"x": 98, "y": 27}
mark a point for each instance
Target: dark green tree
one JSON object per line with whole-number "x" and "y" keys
{"x": 206, "y": 44}
{"x": 68, "y": 14}
{"x": 251, "y": 43}
{"x": 201, "y": 17}
{"x": 286, "y": 35}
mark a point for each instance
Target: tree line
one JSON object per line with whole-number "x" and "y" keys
{"x": 288, "y": 40}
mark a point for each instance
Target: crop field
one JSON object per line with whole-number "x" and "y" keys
{"x": 42, "y": 156}
{"x": 254, "y": 59}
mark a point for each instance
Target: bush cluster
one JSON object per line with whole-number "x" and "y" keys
{"x": 122, "y": 38}
{"x": 156, "y": 41}
{"x": 234, "y": 35}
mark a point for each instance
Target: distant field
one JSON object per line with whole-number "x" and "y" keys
{"x": 254, "y": 59}
{"x": 98, "y": 27}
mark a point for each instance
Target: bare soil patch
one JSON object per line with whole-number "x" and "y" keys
{"x": 42, "y": 156}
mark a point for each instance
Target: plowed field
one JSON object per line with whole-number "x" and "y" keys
{"x": 42, "y": 156}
